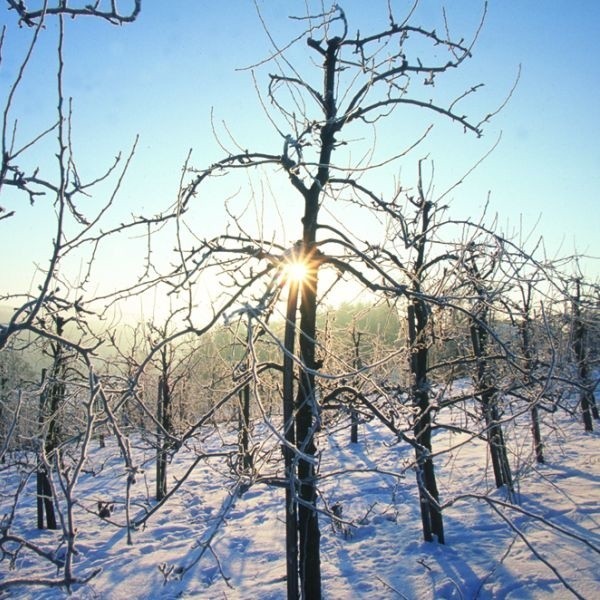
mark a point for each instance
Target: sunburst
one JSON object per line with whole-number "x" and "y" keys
{"x": 295, "y": 271}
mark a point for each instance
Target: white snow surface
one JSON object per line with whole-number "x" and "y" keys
{"x": 209, "y": 541}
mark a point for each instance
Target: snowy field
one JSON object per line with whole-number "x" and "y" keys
{"x": 215, "y": 539}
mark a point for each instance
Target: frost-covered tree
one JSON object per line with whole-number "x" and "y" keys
{"x": 365, "y": 79}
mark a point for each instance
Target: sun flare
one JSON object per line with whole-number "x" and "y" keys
{"x": 295, "y": 271}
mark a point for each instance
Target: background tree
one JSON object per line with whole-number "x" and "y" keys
{"x": 480, "y": 266}
{"x": 581, "y": 350}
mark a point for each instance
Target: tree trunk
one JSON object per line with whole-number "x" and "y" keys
{"x": 291, "y": 512}
{"x": 431, "y": 516}
{"x": 307, "y": 416}
{"x": 50, "y": 402}
{"x": 3, "y": 398}
{"x": 537, "y": 436}
{"x": 244, "y": 429}
{"x": 588, "y": 402}
{"x": 526, "y": 345}
{"x": 164, "y": 428}
{"x": 306, "y": 424}
{"x": 418, "y": 328}
{"x": 487, "y": 395}
{"x": 357, "y": 366}
{"x": 245, "y": 457}
{"x": 45, "y": 504}
{"x": 353, "y": 425}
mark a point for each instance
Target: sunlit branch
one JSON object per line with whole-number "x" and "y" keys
{"x": 360, "y": 113}
{"x": 33, "y": 17}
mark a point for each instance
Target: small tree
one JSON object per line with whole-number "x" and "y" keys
{"x": 589, "y": 408}
{"x": 480, "y": 273}
{"x": 526, "y": 335}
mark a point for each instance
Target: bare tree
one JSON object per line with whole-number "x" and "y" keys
{"x": 481, "y": 273}
{"x": 55, "y": 313}
{"x": 535, "y": 368}
{"x": 363, "y": 81}
{"x": 172, "y": 358}
{"x": 581, "y": 350}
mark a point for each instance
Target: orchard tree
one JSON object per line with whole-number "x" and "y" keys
{"x": 526, "y": 309}
{"x": 53, "y": 312}
{"x": 582, "y": 353}
{"x": 481, "y": 264}
{"x": 413, "y": 234}
{"x": 365, "y": 78}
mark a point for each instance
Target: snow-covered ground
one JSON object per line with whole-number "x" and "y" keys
{"x": 209, "y": 541}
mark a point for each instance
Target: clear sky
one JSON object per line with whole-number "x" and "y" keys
{"x": 161, "y": 77}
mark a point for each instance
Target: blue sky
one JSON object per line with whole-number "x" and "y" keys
{"x": 161, "y": 77}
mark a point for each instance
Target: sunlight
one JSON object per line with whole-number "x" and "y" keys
{"x": 295, "y": 271}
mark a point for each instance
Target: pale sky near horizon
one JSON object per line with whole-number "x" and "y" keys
{"x": 161, "y": 77}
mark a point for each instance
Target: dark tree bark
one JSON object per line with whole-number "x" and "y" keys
{"x": 245, "y": 457}
{"x": 291, "y": 506}
{"x": 306, "y": 424}
{"x": 431, "y": 515}
{"x": 3, "y": 432}
{"x": 161, "y": 462}
{"x": 418, "y": 325}
{"x": 45, "y": 504}
{"x": 244, "y": 429}
{"x": 527, "y": 348}
{"x": 50, "y": 402}
{"x": 487, "y": 393}
{"x": 589, "y": 408}
{"x": 165, "y": 426}
{"x": 357, "y": 363}
{"x": 307, "y": 416}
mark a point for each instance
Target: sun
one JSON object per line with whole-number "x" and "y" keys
{"x": 295, "y": 271}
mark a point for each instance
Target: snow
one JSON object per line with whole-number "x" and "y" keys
{"x": 215, "y": 539}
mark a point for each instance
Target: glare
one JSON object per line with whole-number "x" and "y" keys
{"x": 295, "y": 271}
